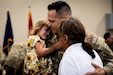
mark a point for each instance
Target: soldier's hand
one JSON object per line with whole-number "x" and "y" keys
{"x": 45, "y": 74}
{"x": 98, "y": 70}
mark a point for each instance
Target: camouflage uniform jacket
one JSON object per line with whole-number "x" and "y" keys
{"x": 57, "y": 55}
{"x": 105, "y": 52}
{"x": 17, "y": 53}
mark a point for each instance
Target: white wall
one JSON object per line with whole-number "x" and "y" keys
{"x": 90, "y": 12}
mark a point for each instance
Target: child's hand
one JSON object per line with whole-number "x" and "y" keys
{"x": 58, "y": 45}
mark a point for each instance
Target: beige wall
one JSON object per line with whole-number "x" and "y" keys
{"x": 90, "y": 12}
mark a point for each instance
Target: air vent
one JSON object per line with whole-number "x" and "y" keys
{"x": 109, "y": 21}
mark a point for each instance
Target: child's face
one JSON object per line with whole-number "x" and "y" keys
{"x": 44, "y": 33}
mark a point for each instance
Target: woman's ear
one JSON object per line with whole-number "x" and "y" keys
{"x": 66, "y": 38}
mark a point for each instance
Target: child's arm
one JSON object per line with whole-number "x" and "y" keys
{"x": 46, "y": 51}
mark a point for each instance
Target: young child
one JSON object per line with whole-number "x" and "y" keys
{"x": 36, "y": 63}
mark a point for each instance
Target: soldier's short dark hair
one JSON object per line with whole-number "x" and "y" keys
{"x": 61, "y": 7}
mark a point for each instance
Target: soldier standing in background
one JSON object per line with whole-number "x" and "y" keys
{"x": 109, "y": 39}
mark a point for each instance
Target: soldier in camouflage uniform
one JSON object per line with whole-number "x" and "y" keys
{"x": 14, "y": 61}
{"x": 109, "y": 39}
{"x": 60, "y": 10}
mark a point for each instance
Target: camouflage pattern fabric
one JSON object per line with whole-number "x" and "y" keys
{"x": 111, "y": 46}
{"x": 104, "y": 51}
{"x": 17, "y": 52}
{"x": 57, "y": 55}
